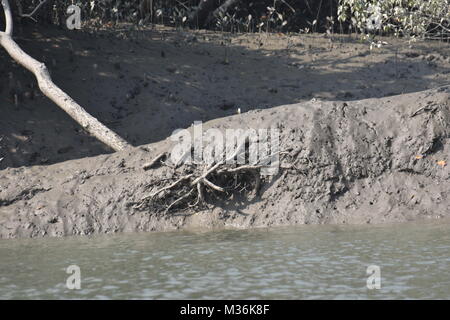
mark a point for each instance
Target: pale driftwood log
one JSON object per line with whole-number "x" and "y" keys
{"x": 53, "y": 92}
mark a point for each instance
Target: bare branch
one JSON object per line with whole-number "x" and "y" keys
{"x": 8, "y": 18}
{"x": 30, "y": 15}
{"x": 154, "y": 161}
{"x": 53, "y": 92}
{"x": 241, "y": 168}
{"x": 212, "y": 185}
{"x": 168, "y": 187}
{"x": 178, "y": 200}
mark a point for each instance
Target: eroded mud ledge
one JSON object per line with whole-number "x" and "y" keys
{"x": 370, "y": 161}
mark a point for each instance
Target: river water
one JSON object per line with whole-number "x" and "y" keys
{"x": 305, "y": 262}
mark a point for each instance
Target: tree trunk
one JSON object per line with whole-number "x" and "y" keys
{"x": 205, "y": 7}
{"x": 88, "y": 122}
{"x": 224, "y": 8}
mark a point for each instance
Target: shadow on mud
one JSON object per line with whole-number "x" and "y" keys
{"x": 146, "y": 84}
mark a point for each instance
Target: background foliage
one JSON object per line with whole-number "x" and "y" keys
{"x": 279, "y": 15}
{"x": 409, "y": 18}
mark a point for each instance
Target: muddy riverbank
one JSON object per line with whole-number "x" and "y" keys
{"x": 356, "y": 162}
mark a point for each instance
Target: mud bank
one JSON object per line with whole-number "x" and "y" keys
{"x": 358, "y": 162}
{"x": 145, "y": 85}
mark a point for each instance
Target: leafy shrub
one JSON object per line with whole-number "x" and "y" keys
{"x": 410, "y": 18}
{"x": 266, "y": 15}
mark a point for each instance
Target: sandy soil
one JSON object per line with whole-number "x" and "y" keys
{"x": 359, "y": 161}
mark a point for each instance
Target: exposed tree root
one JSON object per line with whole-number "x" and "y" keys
{"x": 197, "y": 185}
{"x": 152, "y": 163}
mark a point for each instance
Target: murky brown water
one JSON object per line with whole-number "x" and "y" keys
{"x": 308, "y": 262}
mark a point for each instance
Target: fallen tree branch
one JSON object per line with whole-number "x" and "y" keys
{"x": 53, "y": 92}
{"x": 152, "y": 163}
{"x": 424, "y": 109}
